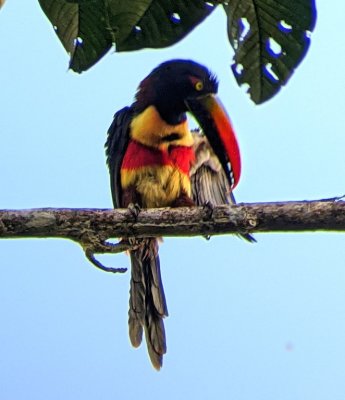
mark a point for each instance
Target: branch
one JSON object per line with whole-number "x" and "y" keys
{"x": 92, "y": 227}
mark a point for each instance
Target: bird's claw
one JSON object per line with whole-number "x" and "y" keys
{"x": 208, "y": 207}
{"x": 134, "y": 209}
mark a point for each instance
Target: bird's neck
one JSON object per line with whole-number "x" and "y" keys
{"x": 170, "y": 113}
{"x": 150, "y": 129}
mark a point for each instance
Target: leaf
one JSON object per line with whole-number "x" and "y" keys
{"x": 270, "y": 39}
{"x": 81, "y": 28}
{"x": 89, "y": 28}
{"x": 164, "y": 23}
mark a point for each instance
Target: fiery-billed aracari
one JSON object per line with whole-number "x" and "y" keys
{"x": 156, "y": 161}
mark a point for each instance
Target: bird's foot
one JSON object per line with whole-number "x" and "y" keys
{"x": 208, "y": 207}
{"x": 134, "y": 209}
{"x": 183, "y": 201}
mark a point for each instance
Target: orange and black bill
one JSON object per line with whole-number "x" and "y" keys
{"x": 216, "y": 125}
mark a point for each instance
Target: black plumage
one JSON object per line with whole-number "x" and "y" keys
{"x": 171, "y": 89}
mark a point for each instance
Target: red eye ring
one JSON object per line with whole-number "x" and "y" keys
{"x": 197, "y": 83}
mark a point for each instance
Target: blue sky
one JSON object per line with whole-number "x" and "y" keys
{"x": 263, "y": 321}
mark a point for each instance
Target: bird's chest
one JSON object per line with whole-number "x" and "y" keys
{"x": 159, "y": 176}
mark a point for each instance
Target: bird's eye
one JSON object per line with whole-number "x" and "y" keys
{"x": 199, "y": 86}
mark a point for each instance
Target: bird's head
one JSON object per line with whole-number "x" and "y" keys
{"x": 170, "y": 85}
{"x": 179, "y": 86}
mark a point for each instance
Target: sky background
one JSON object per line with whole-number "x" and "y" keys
{"x": 263, "y": 321}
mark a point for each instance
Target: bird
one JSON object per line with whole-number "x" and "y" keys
{"x": 155, "y": 160}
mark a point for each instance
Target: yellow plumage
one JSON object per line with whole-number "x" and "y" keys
{"x": 149, "y": 129}
{"x": 158, "y": 185}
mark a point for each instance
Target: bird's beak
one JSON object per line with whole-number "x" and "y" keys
{"x": 215, "y": 123}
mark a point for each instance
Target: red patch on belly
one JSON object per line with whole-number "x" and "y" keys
{"x": 138, "y": 155}
{"x": 182, "y": 157}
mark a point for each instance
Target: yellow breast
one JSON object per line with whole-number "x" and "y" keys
{"x": 158, "y": 185}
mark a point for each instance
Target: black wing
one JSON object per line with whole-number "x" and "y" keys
{"x": 116, "y": 145}
{"x": 209, "y": 181}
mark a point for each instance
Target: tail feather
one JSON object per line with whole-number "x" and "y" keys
{"x": 155, "y": 339}
{"x": 147, "y": 304}
{"x": 136, "y": 314}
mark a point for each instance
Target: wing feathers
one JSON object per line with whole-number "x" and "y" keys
{"x": 116, "y": 144}
{"x": 208, "y": 179}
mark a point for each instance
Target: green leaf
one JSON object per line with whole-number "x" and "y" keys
{"x": 89, "y": 28}
{"x": 270, "y": 38}
{"x": 82, "y": 29}
{"x": 164, "y": 23}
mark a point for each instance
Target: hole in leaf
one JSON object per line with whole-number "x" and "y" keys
{"x": 307, "y": 34}
{"x": 270, "y": 74}
{"x": 239, "y": 69}
{"x": 245, "y": 87}
{"x": 284, "y": 26}
{"x": 209, "y": 5}
{"x": 137, "y": 28}
{"x": 235, "y": 44}
{"x": 78, "y": 41}
{"x": 273, "y": 48}
{"x": 175, "y": 18}
{"x": 244, "y": 28}
{"x": 55, "y": 28}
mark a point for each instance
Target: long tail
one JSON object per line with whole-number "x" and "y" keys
{"x": 147, "y": 305}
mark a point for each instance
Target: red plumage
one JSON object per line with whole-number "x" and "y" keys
{"x": 138, "y": 155}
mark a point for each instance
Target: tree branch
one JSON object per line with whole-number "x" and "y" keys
{"x": 92, "y": 227}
